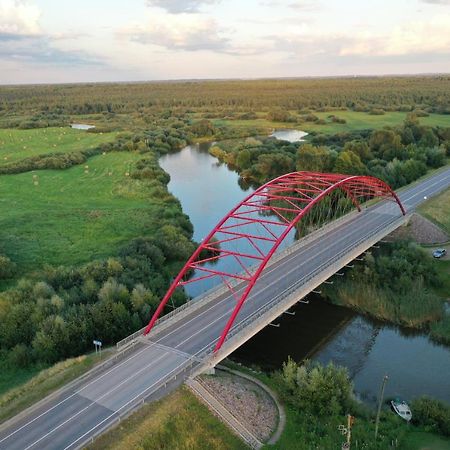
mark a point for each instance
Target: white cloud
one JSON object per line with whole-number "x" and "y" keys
{"x": 190, "y": 32}
{"x": 413, "y": 38}
{"x": 180, "y": 6}
{"x": 18, "y": 18}
{"x": 437, "y": 2}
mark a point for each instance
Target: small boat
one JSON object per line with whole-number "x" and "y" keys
{"x": 402, "y": 409}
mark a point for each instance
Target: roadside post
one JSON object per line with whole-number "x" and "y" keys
{"x": 98, "y": 347}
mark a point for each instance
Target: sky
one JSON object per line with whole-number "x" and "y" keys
{"x": 60, "y": 41}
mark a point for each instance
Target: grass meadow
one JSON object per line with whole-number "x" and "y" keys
{"x": 16, "y": 145}
{"x": 437, "y": 209}
{"x": 354, "y": 121}
{"x": 74, "y": 215}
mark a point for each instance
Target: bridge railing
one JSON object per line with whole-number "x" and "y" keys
{"x": 216, "y": 291}
{"x": 294, "y": 287}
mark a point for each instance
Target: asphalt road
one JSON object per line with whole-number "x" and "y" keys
{"x": 75, "y": 415}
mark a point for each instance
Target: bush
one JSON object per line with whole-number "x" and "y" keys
{"x": 322, "y": 390}
{"x": 431, "y": 414}
{"x": 7, "y": 268}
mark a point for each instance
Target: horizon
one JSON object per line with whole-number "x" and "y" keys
{"x": 195, "y": 80}
{"x": 49, "y": 42}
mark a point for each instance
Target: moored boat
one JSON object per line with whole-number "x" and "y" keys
{"x": 402, "y": 409}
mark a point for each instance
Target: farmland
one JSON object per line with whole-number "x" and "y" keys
{"x": 16, "y": 145}
{"x": 72, "y": 216}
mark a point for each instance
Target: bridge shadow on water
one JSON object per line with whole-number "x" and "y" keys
{"x": 298, "y": 336}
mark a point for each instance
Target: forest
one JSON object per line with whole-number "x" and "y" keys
{"x": 88, "y": 272}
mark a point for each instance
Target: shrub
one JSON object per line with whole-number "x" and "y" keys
{"x": 431, "y": 414}
{"x": 323, "y": 390}
{"x": 7, "y": 267}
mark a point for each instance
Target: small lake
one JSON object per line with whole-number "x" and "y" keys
{"x": 319, "y": 331}
{"x": 81, "y": 126}
{"x": 289, "y": 135}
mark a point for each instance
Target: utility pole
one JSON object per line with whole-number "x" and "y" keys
{"x": 380, "y": 401}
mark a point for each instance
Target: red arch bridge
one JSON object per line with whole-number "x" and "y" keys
{"x": 256, "y": 272}
{"x": 239, "y": 251}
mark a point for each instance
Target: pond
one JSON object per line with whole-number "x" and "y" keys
{"x": 81, "y": 126}
{"x": 319, "y": 331}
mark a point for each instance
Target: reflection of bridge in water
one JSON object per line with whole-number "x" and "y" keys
{"x": 198, "y": 335}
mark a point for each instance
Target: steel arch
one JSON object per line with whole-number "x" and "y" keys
{"x": 288, "y": 198}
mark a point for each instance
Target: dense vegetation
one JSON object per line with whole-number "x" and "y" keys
{"x": 224, "y": 98}
{"x": 318, "y": 400}
{"x": 397, "y": 155}
{"x": 395, "y": 283}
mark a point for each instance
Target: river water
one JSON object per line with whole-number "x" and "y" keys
{"x": 318, "y": 331}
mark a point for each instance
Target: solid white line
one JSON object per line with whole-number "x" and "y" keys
{"x": 93, "y": 402}
{"x": 134, "y": 398}
{"x": 72, "y": 395}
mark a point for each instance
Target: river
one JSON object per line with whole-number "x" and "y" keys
{"x": 322, "y": 332}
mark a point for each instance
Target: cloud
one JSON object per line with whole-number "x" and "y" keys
{"x": 180, "y": 6}
{"x": 415, "y": 41}
{"x": 191, "y": 32}
{"x": 436, "y": 2}
{"x": 416, "y": 37}
{"x": 39, "y": 50}
{"x": 18, "y": 19}
{"x": 22, "y": 39}
{"x": 299, "y": 5}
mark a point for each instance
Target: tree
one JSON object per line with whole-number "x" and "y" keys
{"x": 360, "y": 148}
{"x": 386, "y": 144}
{"x": 113, "y": 291}
{"x": 324, "y": 390}
{"x": 243, "y": 159}
{"x": 314, "y": 159}
{"x": 349, "y": 163}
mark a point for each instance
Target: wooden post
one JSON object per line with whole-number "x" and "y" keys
{"x": 380, "y": 401}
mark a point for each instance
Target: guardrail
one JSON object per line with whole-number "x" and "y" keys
{"x": 384, "y": 228}
{"x": 216, "y": 291}
{"x": 136, "y": 403}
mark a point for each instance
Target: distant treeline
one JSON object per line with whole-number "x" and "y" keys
{"x": 45, "y": 103}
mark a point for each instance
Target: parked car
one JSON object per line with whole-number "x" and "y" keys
{"x": 439, "y": 253}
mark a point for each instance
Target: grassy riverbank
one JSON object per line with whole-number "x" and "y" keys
{"x": 179, "y": 421}
{"x": 398, "y": 283}
{"x": 306, "y": 427}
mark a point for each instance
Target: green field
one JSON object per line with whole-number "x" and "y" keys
{"x": 420, "y": 440}
{"x": 16, "y": 144}
{"x": 354, "y": 121}
{"x": 74, "y": 215}
{"x": 438, "y": 210}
